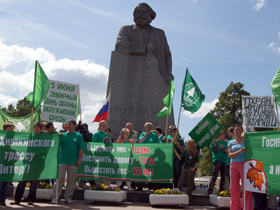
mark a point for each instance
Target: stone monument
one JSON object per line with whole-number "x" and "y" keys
{"x": 140, "y": 72}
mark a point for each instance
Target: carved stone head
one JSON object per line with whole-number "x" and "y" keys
{"x": 143, "y": 14}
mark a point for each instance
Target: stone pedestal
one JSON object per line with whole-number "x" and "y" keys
{"x": 137, "y": 92}
{"x": 222, "y": 202}
{"x": 40, "y": 193}
{"x": 156, "y": 199}
{"x": 112, "y": 196}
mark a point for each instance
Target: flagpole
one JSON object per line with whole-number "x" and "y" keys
{"x": 167, "y": 121}
{"x": 169, "y": 95}
{"x": 108, "y": 120}
{"x": 33, "y": 96}
{"x": 80, "y": 103}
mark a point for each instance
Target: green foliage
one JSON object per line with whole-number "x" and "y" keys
{"x": 206, "y": 169}
{"x": 228, "y": 111}
{"x": 23, "y": 108}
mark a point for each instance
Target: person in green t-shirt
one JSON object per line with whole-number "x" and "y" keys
{"x": 179, "y": 147}
{"x": 148, "y": 136}
{"x": 160, "y": 134}
{"x": 168, "y": 137}
{"x": 99, "y": 135}
{"x": 70, "y": 158}
{"x": 219, "y": 154}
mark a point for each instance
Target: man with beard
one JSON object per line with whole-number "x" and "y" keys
{"x": 140, "y": 73}
{"x": 142, "y": 38}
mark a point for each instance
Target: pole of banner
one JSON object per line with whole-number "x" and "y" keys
{"x": 167, "y": 122}
{"x": 108, "y": 121}
{"x": 178, "y": 119}
{"x": 31, "y": 120}
{"x": 56, "y": 190}
{"x": 80, "y": 103}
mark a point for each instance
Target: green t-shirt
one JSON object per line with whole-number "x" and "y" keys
{"x": 181, "y": 143}
{"x": 71, "y": 143}
{"x": 228, "y": 158}
{"x": 161, "y": 138}
{"x": 99, "y": 136}
{"x": 219, "y": 156}
{"x": 169, "y": 138}
{"x": 151, "y": 138}
{"x": 189, "y": 160}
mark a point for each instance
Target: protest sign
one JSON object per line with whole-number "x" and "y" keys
{"x": 28, "y": 156}
{"x": 262, "y": 163}
{"x": 259, "y": 112}
{"x": 61, "y": 104}
{"x": 128, "y": 162}
{"x": 207, "y": 129}
{"x": 22, "y": 124}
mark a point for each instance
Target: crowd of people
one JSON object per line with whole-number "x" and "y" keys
{"x": 227, "y": 159}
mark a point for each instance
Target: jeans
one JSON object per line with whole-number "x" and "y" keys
{"x": 71, "y": 181}
{"x": 21, "y": 188}
{"x": 237, "y": 173}
{"x": 218, "y": 167}
{"x": 259, "y": 200}
{"x": 189, "y": 175}
{"x": 177, "y": 171}
{"x": 4, "y": 187}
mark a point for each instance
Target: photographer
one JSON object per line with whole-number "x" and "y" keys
{"x": 82, "y": 128}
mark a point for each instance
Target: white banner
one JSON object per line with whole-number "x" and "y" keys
{"x": 259, "y": 111}
{"x": 61, "y": 104}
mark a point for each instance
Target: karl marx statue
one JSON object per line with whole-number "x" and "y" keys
{"x": 142, "y": 38}
{"x": 140, "y": 72}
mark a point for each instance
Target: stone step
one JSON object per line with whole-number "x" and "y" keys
{"x": 200, "y": 196}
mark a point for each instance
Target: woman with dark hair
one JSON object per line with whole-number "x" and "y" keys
{"x": 236, "y": 151}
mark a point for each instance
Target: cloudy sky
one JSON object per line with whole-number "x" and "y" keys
{"x": 218, "y": 41}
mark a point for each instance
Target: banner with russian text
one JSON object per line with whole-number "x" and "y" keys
{"x": 127, "y": 162}
{"x": 205, "y": 131}
{"x": 62, "y": 102}
{"x": 28, "y": 156}
{"x": 262, "y": 162}
{"x": 259, "y": 111}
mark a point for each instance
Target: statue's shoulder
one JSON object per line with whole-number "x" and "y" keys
{"x": 127, "y": 27}
{"x": 158, "y": 30}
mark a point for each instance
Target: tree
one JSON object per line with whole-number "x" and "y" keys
{"x": 23, "y": 108}
{"x": 228, "y": 112}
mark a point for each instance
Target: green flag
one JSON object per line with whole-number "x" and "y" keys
{"x": 275, "y": 86}
{"x": 192, "y": 97}
{"x": 22, "y": 124}
{"x": 167, "y": 101}
{"x": 41, "y": 87}
{"x": 78, "y": 109}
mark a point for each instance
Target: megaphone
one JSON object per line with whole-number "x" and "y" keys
{"x": 107, "y": 139}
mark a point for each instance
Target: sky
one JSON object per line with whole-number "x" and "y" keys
{"x": 218, "y": 41}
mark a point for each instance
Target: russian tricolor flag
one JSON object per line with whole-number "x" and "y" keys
{"x": 103, "y": 113}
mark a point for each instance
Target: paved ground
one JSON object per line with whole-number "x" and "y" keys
{"x": 83, "y": 204}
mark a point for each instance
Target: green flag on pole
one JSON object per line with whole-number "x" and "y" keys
{"x": 192, "y": 97}
{"x": 167, "y": 101}
{"x": 22, "y": 124}
{"x": 78, "y": 109}
{"x": 275, "y": 86}
{"x": 41, "y": 87}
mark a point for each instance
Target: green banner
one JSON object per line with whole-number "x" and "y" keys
{"x": 22, "y": 124}
{"x": 127, "y": 162}
{"x": 262, "y": 163}
{"x": 28, "y": 156}
{"x": 205, "y": 131}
